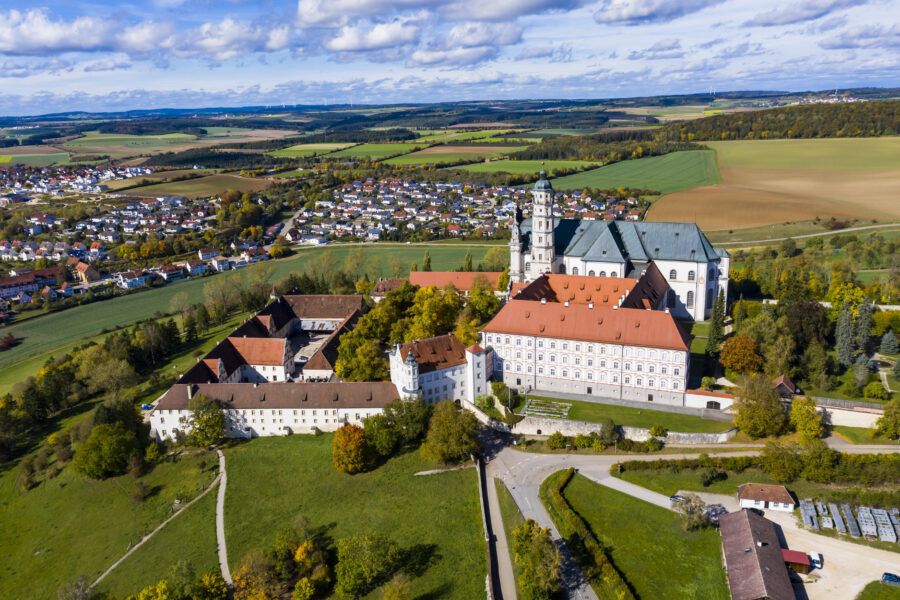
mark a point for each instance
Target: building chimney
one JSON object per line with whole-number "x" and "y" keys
{"x": 667, "y": 310}
{"x": 590, "y": 305}
{"x": 255, "y": 384}
{"x": 543, "y": 301}
{"x": 566, "y": 303}
{"x": 190, "y": 391}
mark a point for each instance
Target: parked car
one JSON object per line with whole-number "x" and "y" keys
{"x": 890, "y": 579}
{"x": 677, "y": 498}
{"x": 815, "y": 560}
{"x": 146, "y": 407}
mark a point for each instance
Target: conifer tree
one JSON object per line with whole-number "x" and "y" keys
{"x": 716, "y": 326}
{"x": 889, "y": 343}
{"x": 740, "y": 313}
{"x": 467, "y": 263}
{"x": 863, "y": 330}
{"x": 844, "y": 336}
{"x": 426, "y": 263}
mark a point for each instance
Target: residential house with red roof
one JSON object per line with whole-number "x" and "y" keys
{"x": 440, "y": 368}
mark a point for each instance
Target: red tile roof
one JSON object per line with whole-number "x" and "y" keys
{"x": 628, "y": 326}
{"x": 795, "y": 557}
{"x": 435, "y": 353}
{"x": 260, "y": 351}
{"x": 370, "y": 394}
{"x": 461, "y": 280}
{"x": 766, "y": 492}
{"x": 578, "y": 289}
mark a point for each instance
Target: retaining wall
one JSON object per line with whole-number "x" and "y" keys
{"x": 546, "y": 426}
{"x": 855, "y": 417}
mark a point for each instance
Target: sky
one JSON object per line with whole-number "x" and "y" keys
{"x": 118, "y": 55}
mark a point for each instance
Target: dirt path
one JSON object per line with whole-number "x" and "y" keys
{"x": 504, "y": 556}
{"x": 808, "y": 235}
{"x": 220, "y": 522}
{"x": 161, "y": 525}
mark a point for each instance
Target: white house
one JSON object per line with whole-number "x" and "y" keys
{"x": 693, "y": 268}
{"x": 761, "y": 495}
{"x": 440, "y": 368}
{"x": 261, "y": 409}
{"x": 243, "y": 360}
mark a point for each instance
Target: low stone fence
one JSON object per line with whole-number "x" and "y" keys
{"x": 850, "y": 417}
{"x": 545, "y": 426}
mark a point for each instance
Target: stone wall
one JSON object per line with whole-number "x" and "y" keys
{"x": 858, "y": 417}
{"x": 546, "y": 426}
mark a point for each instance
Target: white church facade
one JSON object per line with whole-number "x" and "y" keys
{"x": 440, "y": 368}
{"x": 694, "y": 269}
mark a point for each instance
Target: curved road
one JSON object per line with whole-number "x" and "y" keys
{"x": 523, "y": 473}
{"x": 809, "y": 235}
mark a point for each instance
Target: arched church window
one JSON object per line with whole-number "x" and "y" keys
{"x": 690, "y": 300}
{"x": 691, "y": 275}
{"x": 562, "y": 269}
{"x": 527, "y": 266}
{"x": 602, "y": 273}
{"x": 574, "y": 270}
{"x": 591, "y": 273}
{"x": 673, "y": 275}
{"x": 613, "y": 274}
{"x": 709, "y": 298}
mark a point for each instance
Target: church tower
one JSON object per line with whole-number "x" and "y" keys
{"x": 543, "y": 253}
{"x": 516, "y": 269}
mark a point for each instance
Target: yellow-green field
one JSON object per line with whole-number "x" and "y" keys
{"x": 767, "y": 182}
{"x": 526, "y": 166}
{"x": 35, "y": 160}
{"x": 448, "y": 153}
{"x": 375, "y": 151}
{"x": 201, "y": 187}
{"x": 308, "y": 150}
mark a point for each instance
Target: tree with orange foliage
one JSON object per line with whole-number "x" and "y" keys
{"x": 349, "y": 450}
{"x": 740, "y": 353}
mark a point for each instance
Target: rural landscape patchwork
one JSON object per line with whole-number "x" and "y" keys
{"x": 395, "y": 319}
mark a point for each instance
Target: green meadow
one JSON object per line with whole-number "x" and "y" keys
{"x": 665, "y": 174}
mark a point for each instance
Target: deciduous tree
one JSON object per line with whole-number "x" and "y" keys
{"x": 740, "y": 353}
{"x": 540, "y": 560}
{"x": 364, "y": 561}
{"x": 781, "y": 462}
{"x": 758, "y": 409}
{"x": 254, "y": 579}
{"x": 349, "y": 450}
{"x": 888, "y": 424}
{"x": 106, "y": 451}
{"x": 206, "y": 422}
{"x": 805, "y": 419}
{"x": 452, "y": 433}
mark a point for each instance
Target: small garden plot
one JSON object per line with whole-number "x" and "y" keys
{"x": 547, "y": 408}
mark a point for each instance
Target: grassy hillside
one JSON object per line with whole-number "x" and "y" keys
{"x": 68, "y": 527}
{"x": 665, "y": 174}
{"x": 522, "y": 167}
{"x": 648, "y": 545}
{"x": 273, "y": 481}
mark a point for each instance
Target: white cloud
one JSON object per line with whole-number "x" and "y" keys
{"x": 799, "y": 12}
{"x": 383, "y": 35}
{"x": 864, "y": 37}
{"x": 663, "y": 49}
{"x": 637, "y": 12}
{"x": 504, "y": 10}
{"x": 483, "y": 34}
{"x": 34, "y": 33}
{"x": 107, "y": 65}
{"x": 453, "y": 57}
{"x": 228, "y": 39}
{"x": 145, "y": 37}
{"x": 24, "y": 69}
{"x": 562, "y": 53}
{"x": 743, "y": 49}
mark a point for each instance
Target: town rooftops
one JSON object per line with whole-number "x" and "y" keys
{"x": 753, "y": 558}
{"x": 463, "y": 280}
{"x": 603, "y": 324}
{"x": 387, "y": 284}
{"x": 765, "y": 492}
{"x": 435, "y": 353}
{"x": 374, "y": 394}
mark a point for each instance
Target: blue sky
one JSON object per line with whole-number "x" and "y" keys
{"x": 98, "y": 55}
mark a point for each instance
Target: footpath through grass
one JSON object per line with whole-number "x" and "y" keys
{"x": 273, "y": 481}
{"x": 647, "y": 544}
{"x": 595, "y": 412}
{"x": 44, "y": 335}
{"x": 666, "y": 174}
{"x": 67, "y": 526}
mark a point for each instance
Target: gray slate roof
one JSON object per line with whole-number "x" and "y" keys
{"x": 623, "y": 241}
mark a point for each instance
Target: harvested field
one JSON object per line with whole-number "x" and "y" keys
{"x": 525, "y": 166}
{"x": 771, "y": 182}
{"x": 201, "y": 186}
{"x": 41, "y": 149}
{"x": 157, "y": 177}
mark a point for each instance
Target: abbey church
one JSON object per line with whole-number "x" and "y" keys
{"x": 694, "y": 269}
